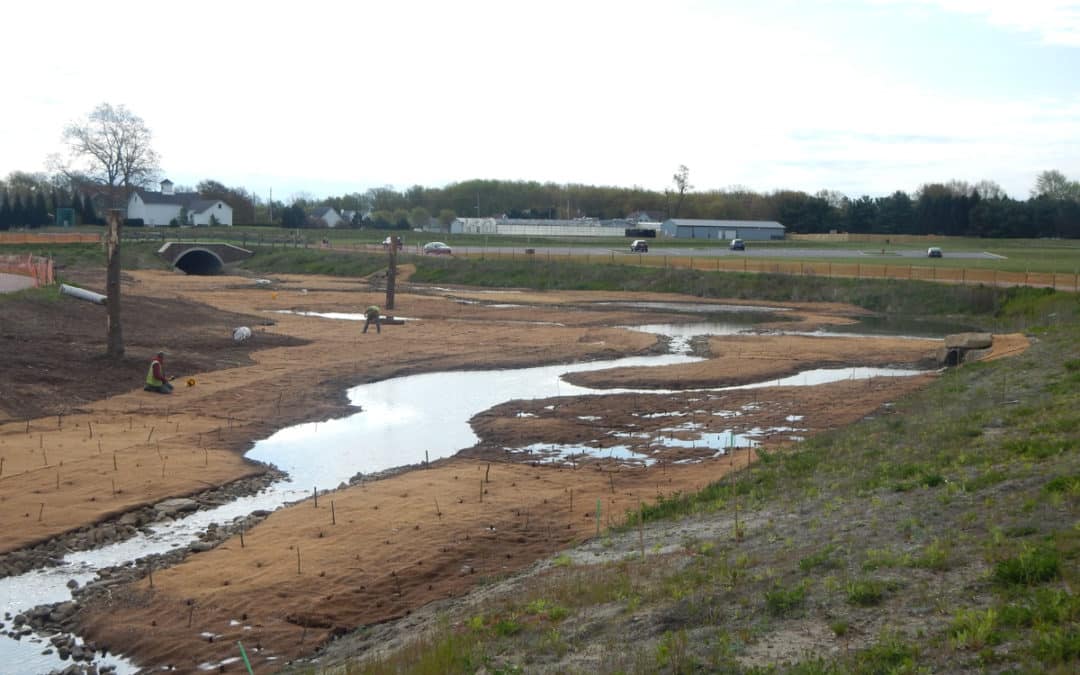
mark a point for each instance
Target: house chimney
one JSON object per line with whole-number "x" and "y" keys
{"x": 166, "y": 187}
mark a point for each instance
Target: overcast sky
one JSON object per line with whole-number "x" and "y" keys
{"x": 858, "y": 96}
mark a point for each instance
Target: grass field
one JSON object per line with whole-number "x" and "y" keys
{"x": 1036, "y": 256}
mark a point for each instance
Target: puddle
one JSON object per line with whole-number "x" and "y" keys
{"x": 875, "y": 326}
{"x": 810, "y": 378}
{"x": 688, "y": 330}
{"x": 341, "y": 316}
{"x": 701, "y": 308}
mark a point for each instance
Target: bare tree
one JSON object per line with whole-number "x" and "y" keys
{"x": 682, "y": 184}
{"x": 112, "y": 145}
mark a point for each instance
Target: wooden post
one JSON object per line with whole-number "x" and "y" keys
{"x": 115, "y": 345}
{"x": 391, "y": 274}
{"x": 333, "y": 514}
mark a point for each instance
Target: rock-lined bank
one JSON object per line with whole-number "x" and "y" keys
{"x": 55, "y": 624}
{"x": 51, "y": 553}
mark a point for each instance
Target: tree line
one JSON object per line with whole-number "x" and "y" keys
{"x": 955, "y": 208}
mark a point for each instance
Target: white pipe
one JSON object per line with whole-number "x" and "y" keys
{"x": 82, "y": 294}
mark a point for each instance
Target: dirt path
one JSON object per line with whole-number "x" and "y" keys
{"x": 300, "y": 578}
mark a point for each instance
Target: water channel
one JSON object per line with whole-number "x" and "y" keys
{"x": 401, "y": 421}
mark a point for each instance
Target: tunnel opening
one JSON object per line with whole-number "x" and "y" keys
{"x": 200, "y": 262}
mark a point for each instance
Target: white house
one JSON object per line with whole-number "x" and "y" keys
{"x": 327, "y": 215}
{"x": 165, "y": 207}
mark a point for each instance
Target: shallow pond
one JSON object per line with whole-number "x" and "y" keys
{"x": 401, "y": 421}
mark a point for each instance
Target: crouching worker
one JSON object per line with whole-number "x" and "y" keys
{"x": 155, "y": 376}
{"x": 371, "y": 316}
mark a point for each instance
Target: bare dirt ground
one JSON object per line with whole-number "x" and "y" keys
{"x": 385, "y": 548}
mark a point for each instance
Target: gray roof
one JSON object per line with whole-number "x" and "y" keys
{"x": 321, "y": 211}
{"x": 694, "y": 222}
{"x": 192, "y": 201}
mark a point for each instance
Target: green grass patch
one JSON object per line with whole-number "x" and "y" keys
{"x": 780, "y": 601}
{"x": 1033, "y": 565}
{"x": 866, "y": 592}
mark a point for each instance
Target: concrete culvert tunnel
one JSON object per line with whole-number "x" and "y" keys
{"x": 200, "y": 262}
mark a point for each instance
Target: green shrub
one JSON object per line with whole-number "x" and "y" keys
{"x": 865, "y": 592}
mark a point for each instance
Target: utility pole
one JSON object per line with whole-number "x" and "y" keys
{"x": 271, "y": 206}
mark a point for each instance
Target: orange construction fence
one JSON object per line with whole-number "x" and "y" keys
{"x": 39, "y": 269}
{"x": 49, "y": 237}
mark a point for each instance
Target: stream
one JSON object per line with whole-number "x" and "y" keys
{"x": 401, "y": 421}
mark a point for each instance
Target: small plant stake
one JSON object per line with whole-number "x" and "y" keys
{"x": 597, "y": 517}
{"x": 315, "y": 491}
{"x": 241, "y": 536}
{"x": 150, "y": 573}
{"x": 487, "y": 473}
{"x": 149, "y": 434}
{"x": 1, "y": 466}
{"x": 481, "y": 492}
{"x": 333, "y": 514}
{"x": 41, "y": 511}
{"x": 114, "y": 462}
{"x": 438, "y": 512}
{"x": 611, "y": 477}
{"x": 641, "y": 529}
{"x": 298, "y": 559}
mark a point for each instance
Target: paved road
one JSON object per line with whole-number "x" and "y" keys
{"x": 14, "y": 282}
{"x": 869, "y": 255}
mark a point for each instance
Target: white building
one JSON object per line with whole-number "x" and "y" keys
{"x": 185, "y": 208}
{"x": 327, "y": 215}
{"x": 752, "y": 230}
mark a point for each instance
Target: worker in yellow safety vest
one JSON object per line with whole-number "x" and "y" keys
{"x": 155, "y": 376}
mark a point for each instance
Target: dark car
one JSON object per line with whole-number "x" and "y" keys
{"x": 639, "y": 246}
{"x": 738, "y": 245}
{"x": 437, "y": 248}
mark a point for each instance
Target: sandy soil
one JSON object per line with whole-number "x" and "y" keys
{"x": 299, "y": 578}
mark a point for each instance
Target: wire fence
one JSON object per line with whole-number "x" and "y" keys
{"x": 955, "y": 275}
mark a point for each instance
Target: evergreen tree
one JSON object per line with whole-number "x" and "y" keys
{"x": 5, "y": 213}
{"x": 76, "y": 206}
{"x": 88, "y": 215}
{"x": 18, "y": 215}
{"x": 40, "y": 214}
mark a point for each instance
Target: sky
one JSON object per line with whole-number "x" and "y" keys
{"x": 327, "y": 98}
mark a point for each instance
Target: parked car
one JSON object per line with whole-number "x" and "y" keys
{"x": 437, "y": 248}
{"x": 737, "y": 245}
{"x": 933, "y": 252}
{"x": 639, "y": 246}
{"x": 395, "y": 241}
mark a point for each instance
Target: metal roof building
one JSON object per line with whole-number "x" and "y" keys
{"x": 751, "y": 230}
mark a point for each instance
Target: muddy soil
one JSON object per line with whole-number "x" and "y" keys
{"x": 379, "y": 549}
